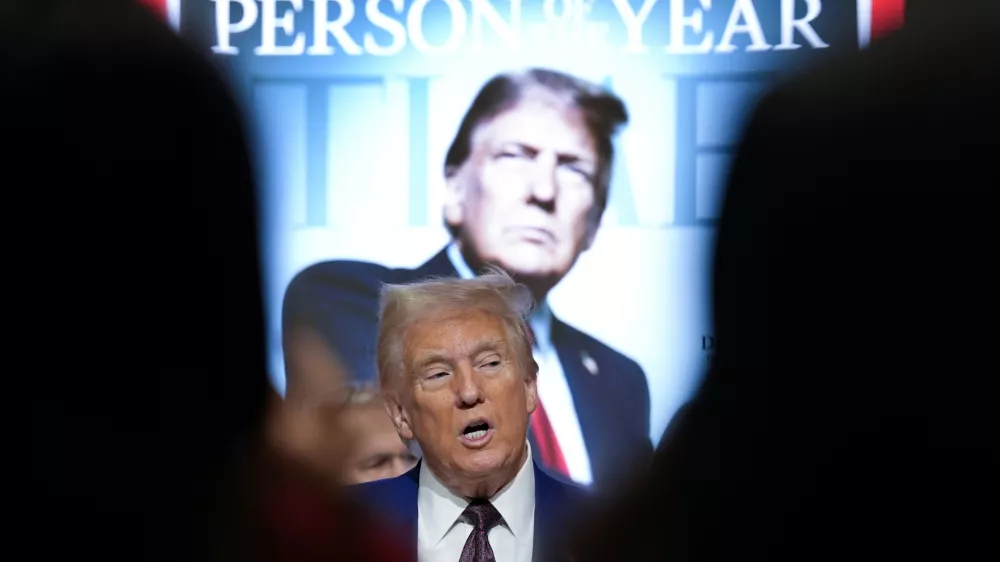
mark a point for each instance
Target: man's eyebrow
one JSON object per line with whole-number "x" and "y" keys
{"x": 571, "y": 156}
{"x": 489, "y": 345}
{"x": 574, "y": 158}
{"x": 431, "y": 358}
{"x": 523, "y": 146}
{"x": 437, "y": 356}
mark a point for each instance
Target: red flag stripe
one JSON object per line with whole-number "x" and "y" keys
{"x": 158, "y": 6}
{"x": 167, "y": 10}
{"x": 886, "y": 17}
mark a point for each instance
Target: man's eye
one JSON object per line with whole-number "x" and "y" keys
{"x": 580, "y": 171}
{"x": 438, "y": 375}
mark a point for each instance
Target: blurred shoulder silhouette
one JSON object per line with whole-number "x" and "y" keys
{"x": 139, "y": 297}
{"x": 142, "y": 270}
{"x": 851, "y": 405}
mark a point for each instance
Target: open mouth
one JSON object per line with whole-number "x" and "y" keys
{"x": 476, "y": 430}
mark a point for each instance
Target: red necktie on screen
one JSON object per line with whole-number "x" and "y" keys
{"x": 483, "y": 517}
{"x": 159, "y": 7}
{"x": 886, "y": 16}
{"x": 545, "y": 437}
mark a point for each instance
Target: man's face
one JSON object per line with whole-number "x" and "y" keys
{"x": 466, "y": 398}
{"x": 376, "y": 451}
{"x": 524, "y": 199}
{"x": 305, "y": 426}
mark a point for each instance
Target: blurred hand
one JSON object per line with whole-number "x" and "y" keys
{"x": 306, "y": 425}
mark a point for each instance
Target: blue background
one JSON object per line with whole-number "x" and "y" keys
{"x": 351, "y": 150}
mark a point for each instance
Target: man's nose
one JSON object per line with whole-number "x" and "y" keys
{"x": 544, "y": 183}
{"x": 468, "y": 392}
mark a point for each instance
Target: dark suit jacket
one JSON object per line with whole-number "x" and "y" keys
{"x": 557, "y": 507}
{"x": 339, "y": 300}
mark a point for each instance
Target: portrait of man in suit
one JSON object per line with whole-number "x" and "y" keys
{"x": 528, "y": 176}
{"x": 458, "y": 378}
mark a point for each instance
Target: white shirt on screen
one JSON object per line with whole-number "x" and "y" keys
{"x": 553, "y": 389}
{"x": 442, "y": 529}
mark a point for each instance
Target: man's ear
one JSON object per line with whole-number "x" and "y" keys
{"x": 531, "y": 387}
{"x": 400, "y": 419}
{"x": 454, "y": 198}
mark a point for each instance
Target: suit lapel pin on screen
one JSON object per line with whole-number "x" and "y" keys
{"x": 588, "y": 363}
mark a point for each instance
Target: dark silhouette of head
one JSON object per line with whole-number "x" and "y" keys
{"x": 150, "y": 385}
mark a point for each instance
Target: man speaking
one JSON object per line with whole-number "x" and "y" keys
{"x": 458, "y": 378}
{"x": 528, "y": 176}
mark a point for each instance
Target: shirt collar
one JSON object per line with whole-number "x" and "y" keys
{"x": 458, "y": 262}
{"x": 541, "y": 316}
{"x": 440, "y": 509}
{"x": 516, "y": 500}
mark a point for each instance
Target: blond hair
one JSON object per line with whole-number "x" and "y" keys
{"x": 494, "y": 293}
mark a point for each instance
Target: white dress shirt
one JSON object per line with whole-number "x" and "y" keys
{"x": 442, "y": 529}
{"x": 553, "y": 389}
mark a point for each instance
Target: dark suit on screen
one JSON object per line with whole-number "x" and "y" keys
{"x": 339, "y": 300}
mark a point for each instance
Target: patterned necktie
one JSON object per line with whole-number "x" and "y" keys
{"x": 483, "y": 517}
{"x": 549, "y": 451}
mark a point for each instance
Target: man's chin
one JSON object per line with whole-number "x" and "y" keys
{"x": 481, "y": 464}
{"x": 529, "y": 264}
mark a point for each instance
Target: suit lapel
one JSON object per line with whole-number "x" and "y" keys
{"x": 408, "y": 507}
{"x": 438, "y": 266}
{"x": 544, "y": 520}
{"x": 551, "y": 514}
{"x": 583, "y": 376}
